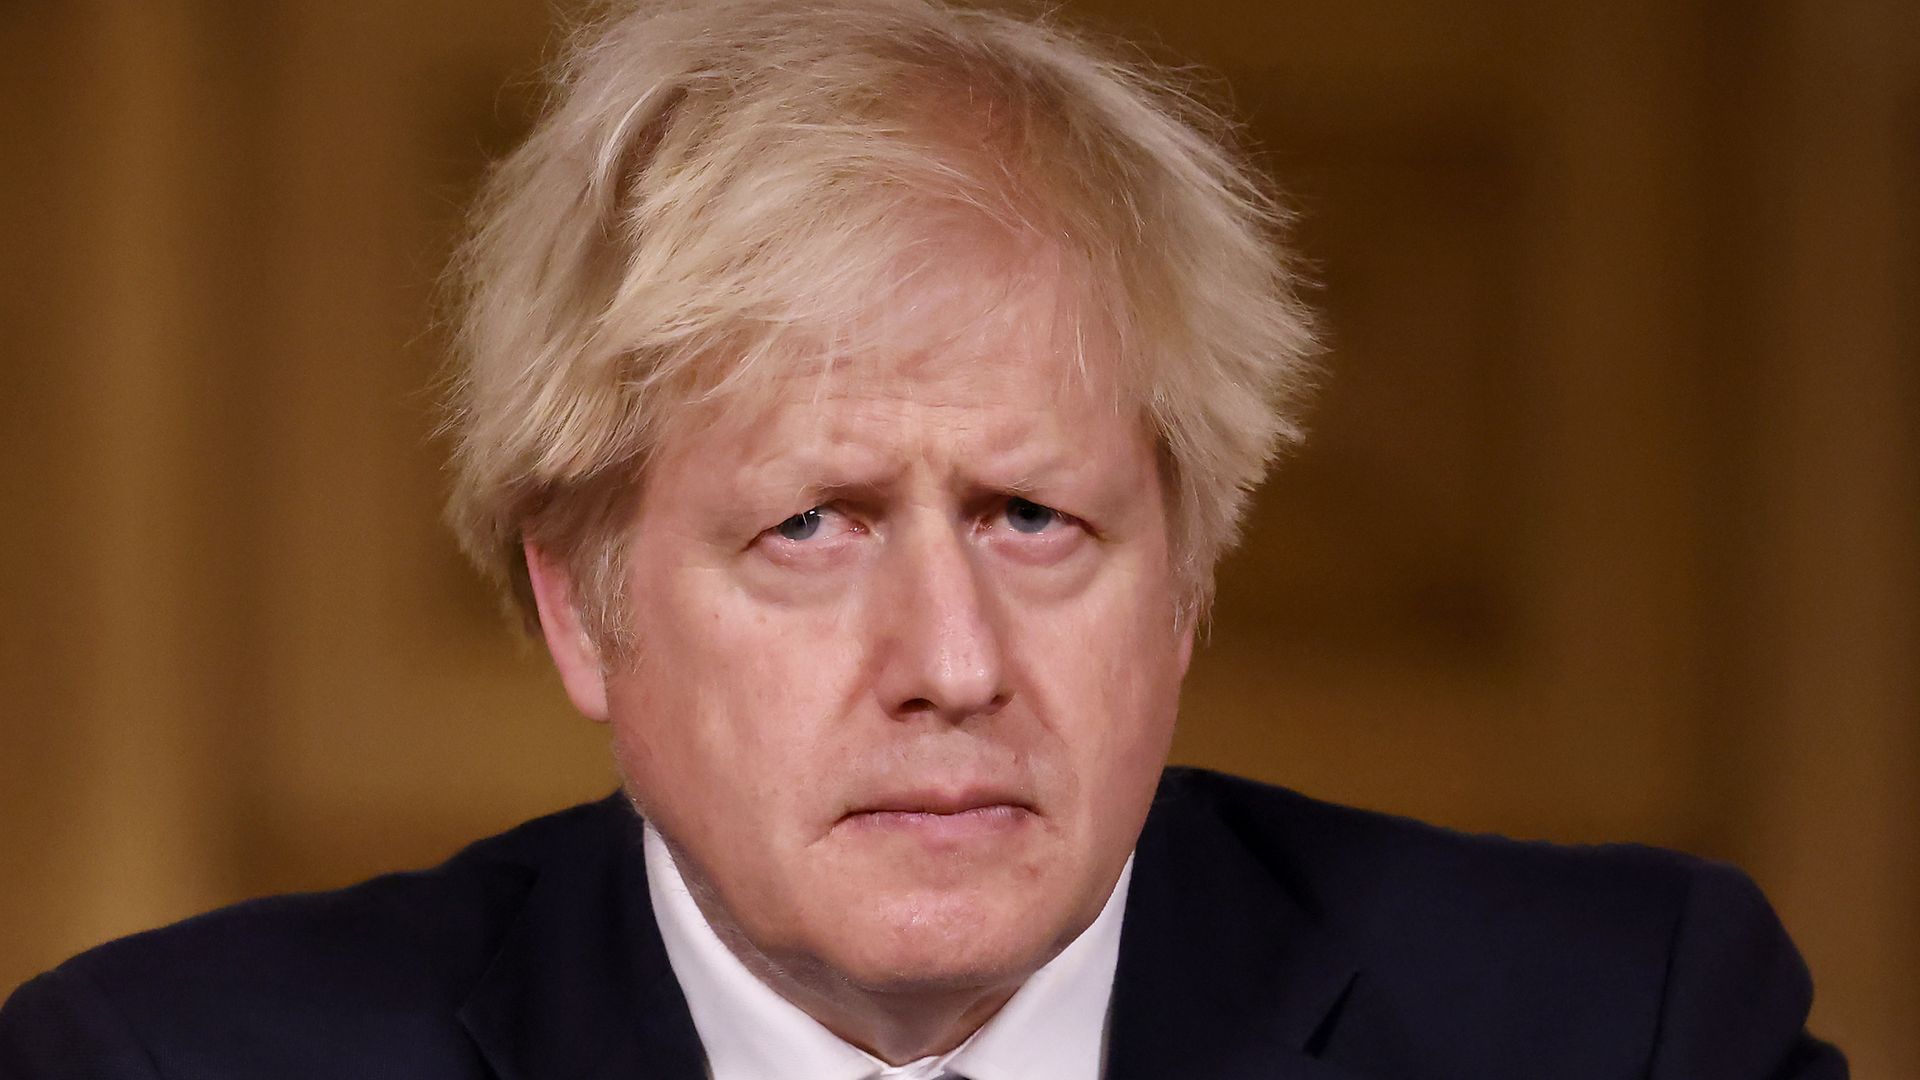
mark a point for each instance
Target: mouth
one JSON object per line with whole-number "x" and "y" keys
{"x": 943, "y": 816}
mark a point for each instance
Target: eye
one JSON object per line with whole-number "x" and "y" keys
{"x": 822, "y": 527}
{"x": 801, "y": 526}
{"x": 1029, "y": 517}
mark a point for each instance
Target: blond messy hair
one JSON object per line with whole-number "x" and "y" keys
{"x": 723, "y": 188}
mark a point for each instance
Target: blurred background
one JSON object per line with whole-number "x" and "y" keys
{"x": 1607, "y": 528}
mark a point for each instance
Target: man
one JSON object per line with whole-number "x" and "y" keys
{"x": 857, "y": 398}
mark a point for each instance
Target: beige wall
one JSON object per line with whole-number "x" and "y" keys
{"x": 1606, "y": 530}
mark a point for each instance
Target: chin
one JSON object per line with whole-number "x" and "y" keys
{"x": 933, "y": 944}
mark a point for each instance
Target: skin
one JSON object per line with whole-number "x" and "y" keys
{"x": 901, "y": 747}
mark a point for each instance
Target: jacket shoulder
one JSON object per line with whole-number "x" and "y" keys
{"x": 387, "y": 961}
{"x": 1616, "y": 956}
{"x": 1364, "y": 869}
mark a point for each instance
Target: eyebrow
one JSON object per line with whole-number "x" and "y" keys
{"x": 814, "y": 480}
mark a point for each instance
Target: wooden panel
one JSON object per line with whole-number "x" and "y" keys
{"x": 1832, "y": 795}
{"x": 1461, "y": 601}
{"x": 42, "y": 666}
{"x": 408, "y": 719}
{"x": 1368, "y": 629}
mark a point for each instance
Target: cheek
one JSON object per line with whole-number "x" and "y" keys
{"x": 725, "y": 690}
{"x": 1105, "y": 674}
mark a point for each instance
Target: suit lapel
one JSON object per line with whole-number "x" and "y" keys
{"x": 580, "y": 988}
{"x": 1224, "y": 974}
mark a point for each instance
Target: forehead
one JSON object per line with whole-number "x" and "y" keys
{"x": 1014, "y": 415}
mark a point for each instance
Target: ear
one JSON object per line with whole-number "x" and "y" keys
{"x": 574, "y": 652}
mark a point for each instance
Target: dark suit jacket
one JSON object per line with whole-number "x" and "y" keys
{"x": 1266, "y": 935}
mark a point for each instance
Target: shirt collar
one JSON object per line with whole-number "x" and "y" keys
{"x": 1053, "y": 1028}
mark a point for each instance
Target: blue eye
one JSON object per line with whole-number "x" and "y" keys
{"x": 800, "y": 526}
{"x": 1029, "y": 517}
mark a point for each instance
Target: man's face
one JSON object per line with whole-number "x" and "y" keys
{"x": 905, "y": 661}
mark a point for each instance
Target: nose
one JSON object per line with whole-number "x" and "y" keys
{"x": 942, "y": 654}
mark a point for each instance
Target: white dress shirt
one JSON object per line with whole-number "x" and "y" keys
{"x": 1053, "y": 1028}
